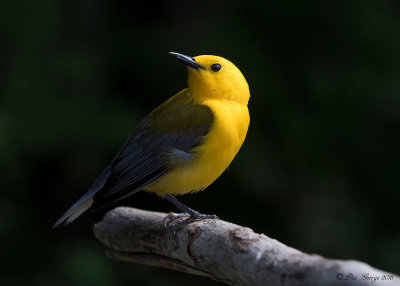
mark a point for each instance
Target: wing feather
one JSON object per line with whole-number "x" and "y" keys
{"x": 178, "y": 125}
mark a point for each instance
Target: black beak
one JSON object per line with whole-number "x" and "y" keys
{"x": 188, "y": 61}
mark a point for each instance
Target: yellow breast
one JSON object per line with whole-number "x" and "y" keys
{"x": 213, "y": 156}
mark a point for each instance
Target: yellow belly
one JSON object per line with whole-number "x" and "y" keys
{"x": 213, "y": 156}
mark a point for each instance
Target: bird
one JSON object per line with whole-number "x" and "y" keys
{"x": 182, "y": 146}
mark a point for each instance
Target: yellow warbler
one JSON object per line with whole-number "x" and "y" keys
{"x": 183, "y": 145}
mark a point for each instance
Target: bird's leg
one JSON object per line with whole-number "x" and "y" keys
{"x": 191, "y": 213}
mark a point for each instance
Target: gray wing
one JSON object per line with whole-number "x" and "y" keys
{"x": 162, "y": 139}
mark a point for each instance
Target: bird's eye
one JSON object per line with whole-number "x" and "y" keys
{"x": 215, "y": 67}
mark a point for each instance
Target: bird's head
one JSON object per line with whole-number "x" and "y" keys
{"x": 213, "y": 77}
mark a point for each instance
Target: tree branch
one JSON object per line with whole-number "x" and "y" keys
{"x": 225, "y": 252}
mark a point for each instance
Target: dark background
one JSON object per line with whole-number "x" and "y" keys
{"x": 318, "y": 171}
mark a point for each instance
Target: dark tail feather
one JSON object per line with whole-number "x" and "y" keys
{"x": 84, "y": 203}
{"x": 75, "y": 211}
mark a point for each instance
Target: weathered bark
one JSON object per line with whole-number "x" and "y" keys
{"x": 225, "y": 252}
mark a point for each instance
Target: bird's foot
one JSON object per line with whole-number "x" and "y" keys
{"x": 172, "y": 217}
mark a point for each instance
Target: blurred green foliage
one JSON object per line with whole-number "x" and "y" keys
{"x": 319, "y": 170}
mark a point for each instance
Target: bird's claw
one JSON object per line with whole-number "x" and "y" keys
{"x": 171, "y": 217}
